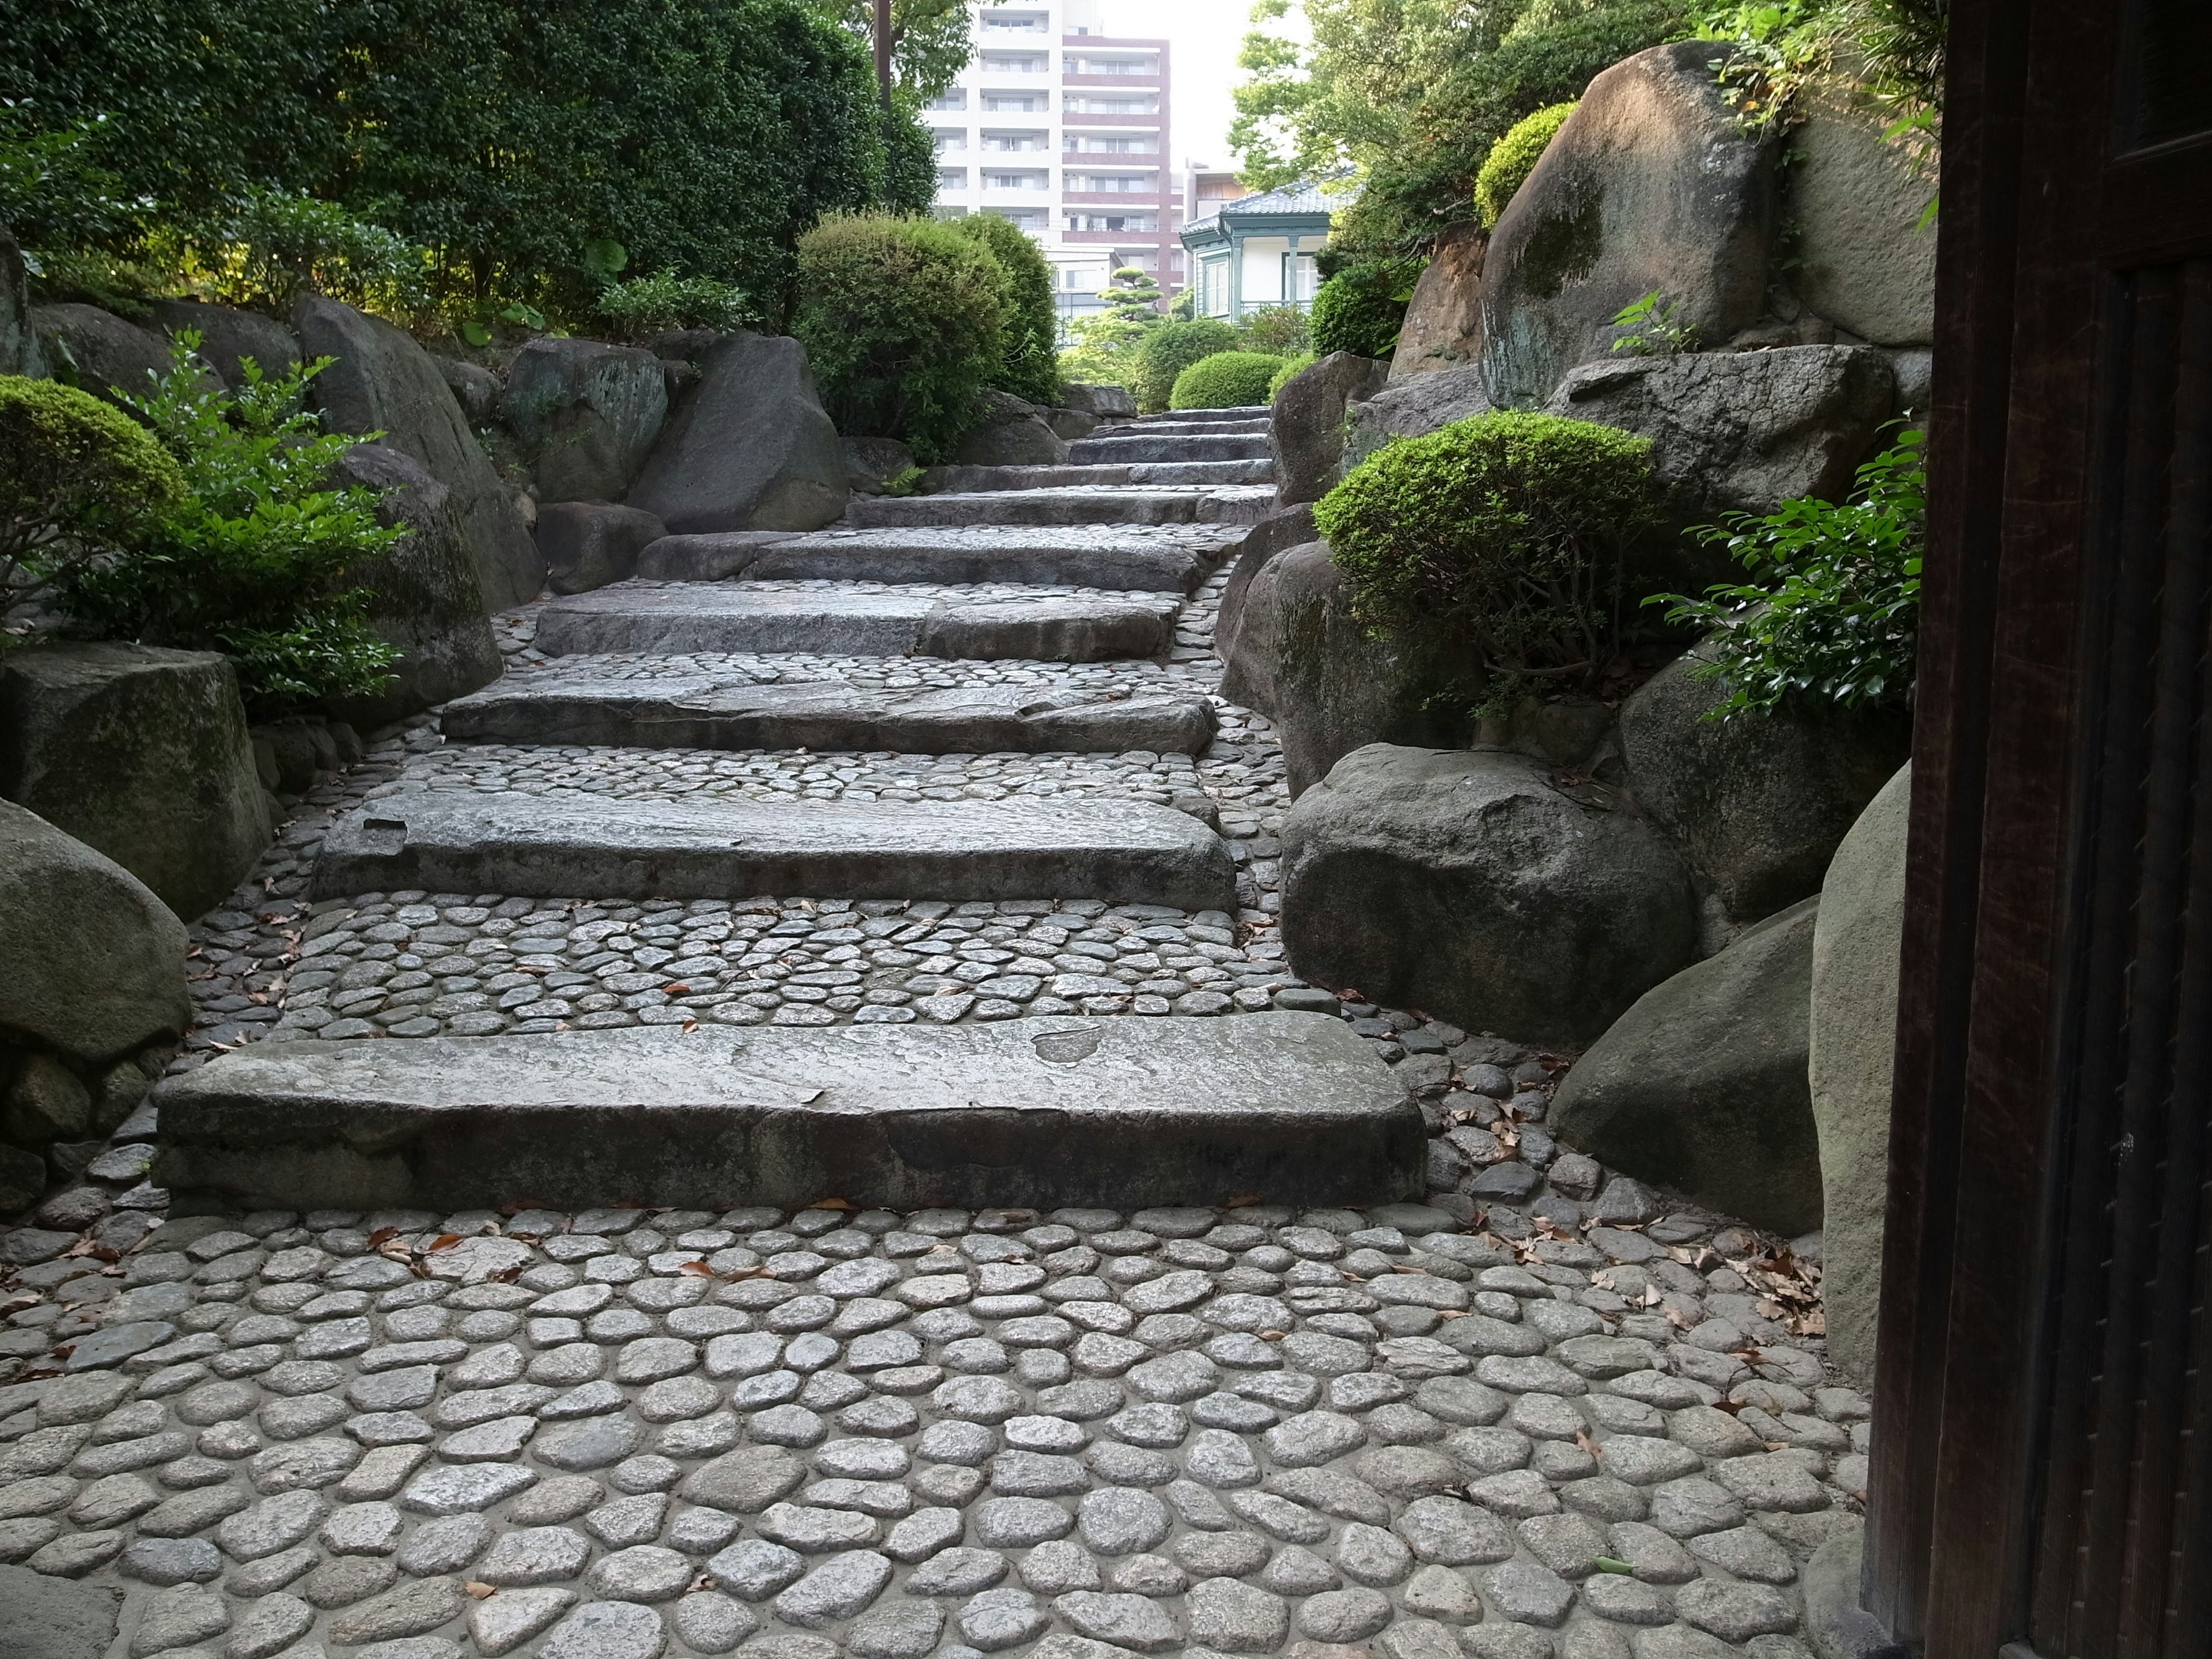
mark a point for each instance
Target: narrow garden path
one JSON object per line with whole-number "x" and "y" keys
{"x": 975, "y": 746}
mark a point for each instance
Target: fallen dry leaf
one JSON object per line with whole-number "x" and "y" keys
{"x": 444, "y": 1241}
{"x": 832, "y": 1204}
{"x": 478, "y": 1589}
{"x": 696, "y": 1269}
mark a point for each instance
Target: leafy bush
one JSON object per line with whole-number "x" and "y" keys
{"x": 1833, "y": 609}
{"x": 1227, "y": 379}
{"x": 1167, "y": 348}
{"x": 1506, "y": 533}
{"x": 1029, "y": 368}
{"x": 77, "y": 477}
{"x": 1278, "y": 331}
{"x": 904, "y": 322}
{"x": 252, "y": 560}
{"x": 1361, "y": 309}
{"x": 1291, "y": 369}
{"x": 663, "y": 302}
{"x": 1514, "y": 157}
{"x": 261, "y": 247}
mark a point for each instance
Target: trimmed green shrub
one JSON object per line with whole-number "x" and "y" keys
{"x": 1227, "y": 379}
{"x": 1361, "y": 309}
{"x": 1506, "y": 532}
{"x": 663, "y": 302}
{"x": 1167, "y": 348}
{"x": 1832, "y": 612}
{"x": 252, "y": 561}
{"x": 1031, "y": 368}
{"x": 1291, "y": 369}
{"x": 1514, "y": 157}
{"x": 77, "y": 477}
{"x": 1280, "y": 331}
{"x": 904, "y": 322}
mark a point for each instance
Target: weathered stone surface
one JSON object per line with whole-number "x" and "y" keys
{"x": 91, "y": 962}
{"x": 1464, "y": 885}
{"x": 1234, "y": 442}
{"x": 749, "y": 447}
{"x": 1277, "y": 533}
{"x": 1864, "y": 260}
{"x": 425, "y": 598}
{"x": 228, "y": 337}
{"x": 1107, "y": 504}
{"x": 141, "y": 754}
{"x": 589, "y": 544}
{"x": 384, "y": 382}
{"x": 587, "y": 414}
{"x": 1700, "y": 1087}
{"x": 1652, "y": 186}
{"x": 712, "y": 557}
{"x": 1411, "y": 407}
{"x": 475, "y": 387}
{"x": 1758, "y": 802}
{"x": 1443, "y": 324}
{"x": 1306, "y": 430}
{"x": 1853, "y": 1046}
{"x": 1101, "y": 400}
{"x": 98, "y": 350}
{"x": 702, "y": 714}
{"x": 19, "y": 343}
{"x": 1126, "y": 1112}
{"x": 1008, "y": 432}
{"x": 871, "y": 463}
{"x": 970, "y": 480}
{"x": 1296, "y": 656}
{"x": 733, "y": 618}
{"x": 1047, "y": 556}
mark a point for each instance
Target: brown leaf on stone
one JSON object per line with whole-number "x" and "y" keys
{"x": 696, "y": 1269}
{"x": 444, "y": 1241}
{"x": 506, "y": 1275}
{"x": 1273, "y": 1336}
{"x": 478, "y": 1589}
{"x": 15, "y": 1304}
{"x": 678, "y": 990}
{"x": 1240, "y": 1200}
{"x": 833, "y": 1203}
{"x": 382, "y": 1236}
{"x": 1586, "y": 1443}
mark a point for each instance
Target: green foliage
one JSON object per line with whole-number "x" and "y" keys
{"x": 1505, "y": 533}
{"x": 77, "y": 476}
{"x": 663, "y": 302}
{"x": 1278, "y": 331}
{"x": 252, "y": 559}
{"x": 931, "y": 39}
{"x": 1291, "y": 369}
{"x": 1514, "y": 157}
{"x": 1832, "y": 611}
{"x": 1167, "y": 348}
{"x": 904, "y": 323}
{"x": 261, "y": 248}
{"x": 1227, "y": 379}
{"x": 1029, "y": 368}
{"x": 1654, "y": 329}
{"x": 1362, "y": 307}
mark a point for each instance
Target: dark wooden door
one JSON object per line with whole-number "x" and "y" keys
{"x": 2042, "y": 1465}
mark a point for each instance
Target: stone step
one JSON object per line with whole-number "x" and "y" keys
{"x": 1106, "y": 504}
{"x": 723, "y": 618}
{"x": 567, "y": 845}
{"x": 1136, "y": 558}
{"x": 1184, "y": 417}
{"x": 831, "y": 715}
{"x": 1116, "y": 1112}
{"x": 1189, "y": 429}
{"x": 971, "y": 479}
{"x": 1164, "y": 446}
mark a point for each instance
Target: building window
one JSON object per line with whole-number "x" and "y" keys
{"x": 1298, "y": 278}
{"x": 1021, "y": 103}
{"x": 1015, "y": 141}
{"x": 1029, "y": 219}
{"x": 1213, "y": 288}
{"x": 1006, "y": 63}
{"x": 951, "y": 98}
{"x": 1116, "y": 66}
{"x": 1016, "y": 181}
{"x": 952, "y": 177}
{"x": 1110, "y": 184}
{"x": 1096, "y": 144}
{"x": 1114, "y": 221}
{"x": 1084, "y": 104}
{"x": 951, "y": 138}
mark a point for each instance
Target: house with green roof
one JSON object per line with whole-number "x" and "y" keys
{"x": 1257, "y": 253}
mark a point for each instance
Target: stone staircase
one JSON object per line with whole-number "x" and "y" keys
{"x": 1061, "y": 613}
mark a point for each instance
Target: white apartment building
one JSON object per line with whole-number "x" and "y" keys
{"x": 1063, "y": 129}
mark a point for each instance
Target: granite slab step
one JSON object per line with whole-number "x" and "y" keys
{"x": 1131, "y": 557}
{"x": 571, "y": 844}
{"x": 1107, "y": 504}
{"x": 682, "y": 619}
{"x": 1206, "y": 422}
{"x": 1184, "y": 417}
{"x": 1114, "y": 1112}
{"x": 1165, "y": 447}
{"x": 829, "y": 714}
{"x": 969, "y": 479}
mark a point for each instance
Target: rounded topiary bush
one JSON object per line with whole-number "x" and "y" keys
{"x": 1514, "y": 157}
{"x": 77, "y": 475}
{"x": 904, "y": 321}
{"x": 1227, "y": 379}
{"x": 1029, "y": 364}
{"x": 1361, "y": 309}
{"x": 1167, "y": 348}
{"x": 1506, "y": 531}
{"x": 1291, "y": 369}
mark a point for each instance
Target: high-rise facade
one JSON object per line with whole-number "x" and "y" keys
{"x": 1063, "y": 129}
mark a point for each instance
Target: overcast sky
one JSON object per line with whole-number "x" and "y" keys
{"x": 1204, "y": 36}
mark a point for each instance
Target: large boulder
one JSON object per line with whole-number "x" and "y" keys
{"x": 587, "y": 414}
{"x": 1865, "y": 260}
{"x": 1443, "y": 324}
{"x": 1470, "y": 886}
{"x": 749, "y": 447}
{"x": 871, "y": 463}
{"x": 1413, "y": 407}
{"x": 228, "y": 337}
{"x": 1758, "y": 802}
{"x": 1007, "y": 432}
{"x": 1700, "y": 1087}
{"x": 19, "y": 343}
{"x": 91, "y": 963}
{"x": 1854, "y": 1047}
{"x": 587, "y": 545}
{"x": 383, "y": 381}
{"x": 97, "y": 351}
{"x": 1653, "y": 185}
{"x": 1305, "y": 428}
{"x": 140, "y": 753}
{"x": 1107, "y": 402}
{"x": 1330, "y": 687}
{"x": 476, "y": 388}
{"x": 1277, "y": 532}
{"x": 424, "y": 597}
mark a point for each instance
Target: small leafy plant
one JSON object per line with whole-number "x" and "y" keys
{"x": 1654, "y": 329}
{"x": 1361, "y": 308}
{"x": 1514, "y": 157}
{"x": 664, "y": 302}
{"x": 1832, "y": 611}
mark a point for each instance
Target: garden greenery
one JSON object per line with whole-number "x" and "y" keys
{"x": 1514, "y": 157}
{"x": 1832, "y": 612}
{"x": 1361, "y": 308}
{"x": 1227, "y": 379}
{"x": 659, "y": 304}
{"x": 1029, "y": 366}
{"x": 1504, "y": 534}
{"x": 1291, "y": 369}
{"x": 77, "y": 476}
{"x": 1167, "y": 348}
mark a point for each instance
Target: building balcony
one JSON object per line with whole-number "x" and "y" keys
{"x": 1114, "y": 200}
{"x": 1154, "y": 80}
